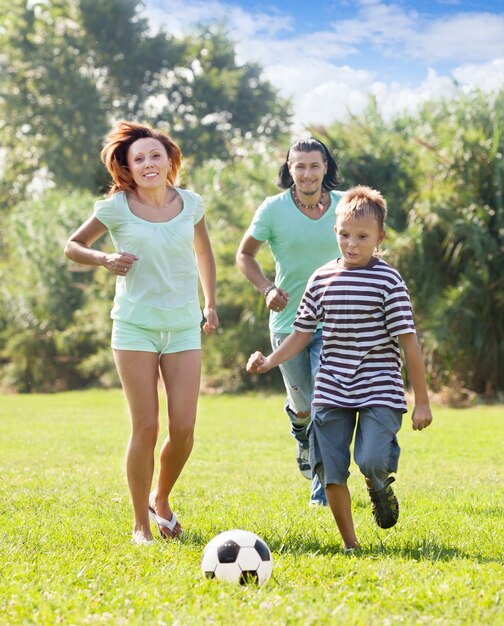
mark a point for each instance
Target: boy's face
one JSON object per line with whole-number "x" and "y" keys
{"x": 358, "y": 239}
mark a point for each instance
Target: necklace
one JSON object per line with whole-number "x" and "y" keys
{"x": 318, "y": 205}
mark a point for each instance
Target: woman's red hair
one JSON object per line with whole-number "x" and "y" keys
{"x": 114, "y": 153}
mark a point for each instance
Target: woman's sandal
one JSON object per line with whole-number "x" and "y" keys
{"x": 164, "y": 523}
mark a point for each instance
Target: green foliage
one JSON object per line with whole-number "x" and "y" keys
{"x": 39, "y": 295}
{"x": 66, "y": 520}
{"x": 442, "y": 175}
{"x": 71, "y": 67}
{"x": 66, "y": 73}
{"x": 212, "y": 103}
{"x": 232, "y": 192}
{"x": 462, "y": 213}
{"x": 383, "y": 156}
{"x": 52, "y": 116}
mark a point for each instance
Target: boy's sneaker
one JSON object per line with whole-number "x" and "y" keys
{"x": 303, "y": 460}
{"x": 384, "y": 504}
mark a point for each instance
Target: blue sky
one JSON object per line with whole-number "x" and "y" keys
{"x": 329, "y": 56}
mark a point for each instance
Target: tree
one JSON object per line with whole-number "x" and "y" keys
{"x": 51, "y": 115}
{"x": 441, "y": 172}
{"x": 39, "y": 296}
{"x": 71, "y": 67}
{"x": 212, "y": 104}
{"x": 382, "y": 155}
{"x": 461, "y": 209}
{"x": 232, "y": 192}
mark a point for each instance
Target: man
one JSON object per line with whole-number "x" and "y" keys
{"x": 298, "y": 224}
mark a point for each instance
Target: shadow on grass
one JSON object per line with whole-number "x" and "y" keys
{"x": 297, "y": 544}
{"x": 423, "y": 550}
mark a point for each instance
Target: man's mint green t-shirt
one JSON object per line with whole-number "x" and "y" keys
{"x": 161, "y": 290}
{"x": 299, "y": 246}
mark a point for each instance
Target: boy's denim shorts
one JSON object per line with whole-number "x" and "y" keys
{"x": 376, "y": 450}
{"x": 127, "y": 336}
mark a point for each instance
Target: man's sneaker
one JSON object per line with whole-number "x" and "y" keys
{"x": 318, "y": 494}
{"x": 384, "y": 504}
{"x": 303, "y": 461}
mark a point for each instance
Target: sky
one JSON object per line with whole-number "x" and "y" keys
{"x": 329, "y": 56}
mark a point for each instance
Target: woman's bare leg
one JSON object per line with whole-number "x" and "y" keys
{"x": 139, "y": 372}
{"x": 181, "y": 375}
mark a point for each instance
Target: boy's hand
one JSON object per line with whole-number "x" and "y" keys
{"x": 258, "y": 363}
{"x": 421, "y": 416}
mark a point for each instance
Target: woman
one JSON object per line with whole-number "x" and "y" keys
{"x": 161, "y": 246}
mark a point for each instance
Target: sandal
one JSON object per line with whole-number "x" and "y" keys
{"x": 164, "y": 523}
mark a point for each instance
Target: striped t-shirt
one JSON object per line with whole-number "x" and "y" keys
{"x": 363, "y": 310}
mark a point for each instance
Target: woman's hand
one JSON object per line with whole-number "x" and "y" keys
{"x": 211, "y": 320}
{"x": 119, "y": 263}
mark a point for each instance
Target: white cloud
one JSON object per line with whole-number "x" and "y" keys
{"x": 471, "y": 37}
{"x": 486, "y": 76}
{"x": 462, "y": 38}
{"x": 381, "y": 39}
{"x": 178, "y": 18}
{"x": 321, "y": 92}
{"x": 397, "y": 99}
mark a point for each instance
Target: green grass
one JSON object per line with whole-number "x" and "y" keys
{"x": 65, "y": 522}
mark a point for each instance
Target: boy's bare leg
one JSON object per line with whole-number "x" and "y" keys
{"x": 339, "y": 500}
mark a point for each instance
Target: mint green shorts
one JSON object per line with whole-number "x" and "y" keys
{"x": 127, "y": 336}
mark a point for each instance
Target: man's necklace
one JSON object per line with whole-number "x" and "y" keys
{"x": 318, "y": 205}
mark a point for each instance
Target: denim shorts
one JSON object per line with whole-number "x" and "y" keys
{"x": 376, "y": 450}
{"x": 127, "y": 336}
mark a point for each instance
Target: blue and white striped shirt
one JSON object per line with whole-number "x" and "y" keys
{"x": 363, "y": 311}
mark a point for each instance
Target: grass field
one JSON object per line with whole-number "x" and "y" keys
{"x": 65, "y": 522}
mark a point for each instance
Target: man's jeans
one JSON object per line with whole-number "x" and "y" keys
{"x": 299, "y": 378}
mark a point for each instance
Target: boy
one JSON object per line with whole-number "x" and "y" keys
{"x": 366, "y": 313}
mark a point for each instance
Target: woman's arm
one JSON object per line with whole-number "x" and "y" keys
{"x": 205, "y": 262}
{"x": 78, "y": 249}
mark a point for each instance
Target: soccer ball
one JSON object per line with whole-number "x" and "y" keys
{"x": 238, "y": 556}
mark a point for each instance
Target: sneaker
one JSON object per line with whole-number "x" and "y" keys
{"x": 303, "y": 461}
{"x": 356, "y": 551}
{"x": 384, "y": 504}
{"x": 317, "y": 495}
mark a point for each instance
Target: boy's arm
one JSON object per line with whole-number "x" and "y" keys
{"x": 258, "y": 363}
{"x": 422, "y": 415}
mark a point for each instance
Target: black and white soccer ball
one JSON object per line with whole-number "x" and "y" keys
{"x": 238, "y": 556}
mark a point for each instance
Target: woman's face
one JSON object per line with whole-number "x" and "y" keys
{"x": 148, "y": 163}
{"x": 307, "y": 170}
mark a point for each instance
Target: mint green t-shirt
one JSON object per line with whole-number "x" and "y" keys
{"x": 161, "y": 290}
{"x": 299, "y": 246}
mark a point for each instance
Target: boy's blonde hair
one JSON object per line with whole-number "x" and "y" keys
{"x": 361, "y": 201}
